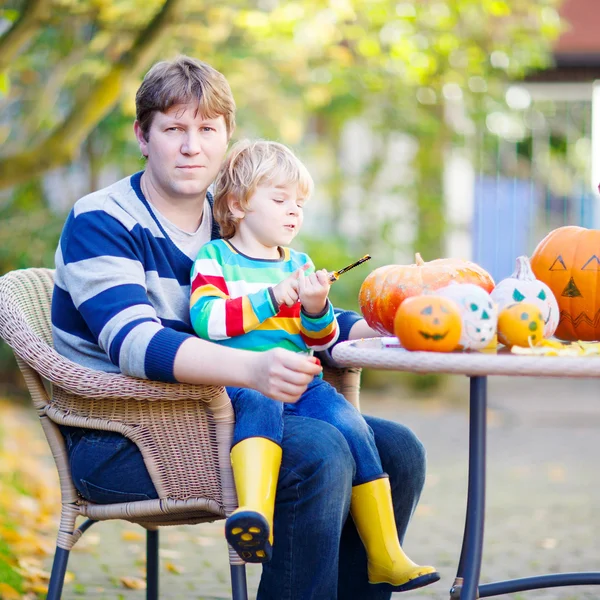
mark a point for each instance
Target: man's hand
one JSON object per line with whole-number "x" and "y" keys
{"x": 313, "y": 291}
{"x": 286, "y": 291}
{"x": 283, "y": 375}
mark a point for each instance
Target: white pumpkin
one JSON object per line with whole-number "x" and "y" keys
{"x": 478, "y": 312}
{"x": 522, "y": 286}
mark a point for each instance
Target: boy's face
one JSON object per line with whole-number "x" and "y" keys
{"x": 184, "y": 151}
{"x": 274, "y": 215}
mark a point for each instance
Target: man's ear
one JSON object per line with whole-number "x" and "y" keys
{"x": 236, "y": 208}
{"x": 142, "y": 142}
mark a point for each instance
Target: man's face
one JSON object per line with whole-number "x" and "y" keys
{"x": 184, "y": 151}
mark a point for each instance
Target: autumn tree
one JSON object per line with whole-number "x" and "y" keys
{"x": 300, "y": 71}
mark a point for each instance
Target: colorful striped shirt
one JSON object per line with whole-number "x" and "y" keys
{"x": 232, "y": 302}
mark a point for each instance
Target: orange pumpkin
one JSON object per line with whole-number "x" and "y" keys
{"x": 568, "y": 261}
{"x": 385, "y": 288}
{"x": 430, "y": 323}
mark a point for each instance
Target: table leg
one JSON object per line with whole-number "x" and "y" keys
{"x": 469, "y": 565}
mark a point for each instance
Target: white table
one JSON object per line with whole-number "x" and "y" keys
{"x": 378, "y": 353}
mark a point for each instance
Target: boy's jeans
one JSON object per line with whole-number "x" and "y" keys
{"x": 257, "y": 415}
{"x": 317, "y": 554}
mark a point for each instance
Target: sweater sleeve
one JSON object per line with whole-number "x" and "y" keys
{"x": 101, "y": 268}
{"x": 213, "y": 313}
{"x": 346, "y": 319}
{"x": 319, "y": 332}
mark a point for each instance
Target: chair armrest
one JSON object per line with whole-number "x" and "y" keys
{"x": 89, "y": 383}
{"x": 346, "y": 381}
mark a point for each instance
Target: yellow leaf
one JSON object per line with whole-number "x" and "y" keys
{"x": 132, "y": 536}
{"x": 37, "y": 588}
{"x": 8, "y": 592}
{"x": 172, "y": 568}
{"x": 133, "y": 583}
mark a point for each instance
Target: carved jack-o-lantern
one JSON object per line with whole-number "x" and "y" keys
{"x": 428, "y": 323}
{"x": 568, "y": 261}
{"x": 478, "y": 313}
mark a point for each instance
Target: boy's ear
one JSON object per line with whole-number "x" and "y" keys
{"x": 236, "y": 208}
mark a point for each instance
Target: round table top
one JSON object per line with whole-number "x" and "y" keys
{"x": 386, "y": 354}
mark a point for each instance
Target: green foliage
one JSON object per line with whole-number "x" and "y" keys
{"x": 8, "y": 573}
{"x": 300, "y": 70}
{"x": 28, "y": 238}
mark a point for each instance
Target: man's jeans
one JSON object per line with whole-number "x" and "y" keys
{"x": 257, "y": 415}
{"x": 317, "y": 553}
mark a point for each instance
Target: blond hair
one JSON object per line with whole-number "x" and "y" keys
{"x": 248, "y": 165}
{"x": 181, "y": 81}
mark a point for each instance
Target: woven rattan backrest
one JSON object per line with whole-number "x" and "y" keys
{"x": 25, "y": 298}
{"x": 25, "y": 301}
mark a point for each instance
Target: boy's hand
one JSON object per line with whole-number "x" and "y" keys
{"x": 286, "y": 291}
{"x": 313, "y": 291}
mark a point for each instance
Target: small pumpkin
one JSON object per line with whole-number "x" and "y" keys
{"x": 522, "y": 286}
{"x": 430, "y": 323}
{"x": 520, "y": 323}
{"x": 568, "y": 261}
{"x": 478, "y": 312}
{"x": 385, "y": 288}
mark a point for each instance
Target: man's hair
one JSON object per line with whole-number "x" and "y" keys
{"x": 181, "y": 81}
{"x": 248, "y": 165}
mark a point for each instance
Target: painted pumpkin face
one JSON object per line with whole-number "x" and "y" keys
{"x": 478, "y": 313}
{"x": 519, "y": 324}
{"x": 522, "y": 286}
{"x": 430, "y": 323}
{"x": 568, "y": 261}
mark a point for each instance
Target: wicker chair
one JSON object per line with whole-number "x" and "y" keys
{"x": 183, "y": 431}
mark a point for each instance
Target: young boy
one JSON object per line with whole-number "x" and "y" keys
{"x": 251, "y": 291}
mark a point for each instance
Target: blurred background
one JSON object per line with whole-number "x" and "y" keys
{"x": 462, "y": 128}
{"x": 459, "y": 128}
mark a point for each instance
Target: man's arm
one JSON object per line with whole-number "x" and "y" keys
{"x": 361, "y": 329}
{"x": 99, "y": 267}
{"x": 277, "y": 373}
{"x": 352, "y": 327}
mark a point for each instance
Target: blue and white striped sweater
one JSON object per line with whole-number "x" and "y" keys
{"x": 122, "y": 287}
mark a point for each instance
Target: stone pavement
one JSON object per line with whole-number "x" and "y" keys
{"x": 543, "y": 497}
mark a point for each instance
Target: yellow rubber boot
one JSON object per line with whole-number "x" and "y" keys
{"x": 373, "y": 513}
{"x": 249, "y": 529}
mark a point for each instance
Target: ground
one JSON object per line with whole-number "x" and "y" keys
{"x": 542, "y": 496}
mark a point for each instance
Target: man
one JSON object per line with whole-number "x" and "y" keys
{"x": 121, "y": 305}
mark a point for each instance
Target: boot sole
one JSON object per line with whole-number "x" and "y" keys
{"x": 416, "y": 583}
{"x": 248, "y": 534}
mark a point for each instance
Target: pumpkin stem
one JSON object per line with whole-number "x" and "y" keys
{"x": 418, "y": 260}
{"x": 523, "y": 270}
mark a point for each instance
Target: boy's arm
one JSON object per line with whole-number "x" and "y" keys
{"x": 319, "y": 331}
{"x": 213, "y": 313}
